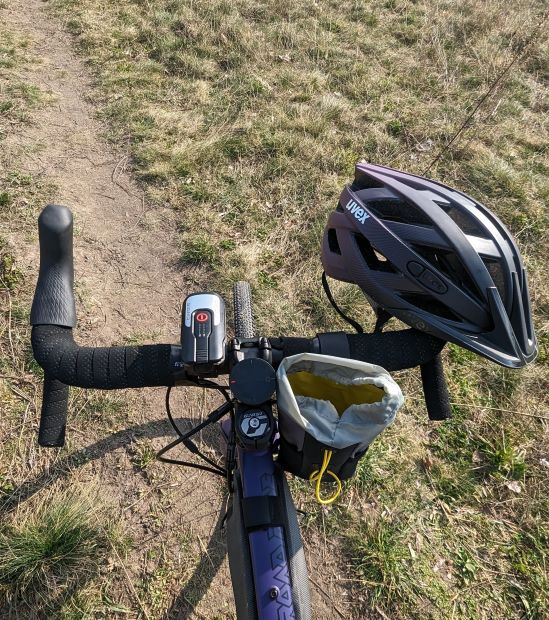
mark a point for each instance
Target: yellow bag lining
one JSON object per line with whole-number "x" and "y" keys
{"x": 341, "y": 395}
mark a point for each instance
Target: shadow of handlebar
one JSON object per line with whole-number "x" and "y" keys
{"x": 197, "y": 585}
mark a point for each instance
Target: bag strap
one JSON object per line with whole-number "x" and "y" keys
{"x": 261, "y": 512}
{"x": 317, "y": 475}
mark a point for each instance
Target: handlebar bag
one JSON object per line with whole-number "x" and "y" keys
{"x": 331, "y": 406}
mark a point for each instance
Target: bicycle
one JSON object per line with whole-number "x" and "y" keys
{"x": 266, "y": 557}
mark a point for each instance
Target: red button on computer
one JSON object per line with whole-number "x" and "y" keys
{"x": 202, "y": 317}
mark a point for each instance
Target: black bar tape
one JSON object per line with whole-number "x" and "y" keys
{"x": 106, "y": 368}
{"x": 394, "y": 350}
{"x": 435, "y": 390}
{"x": 53, "y": 419}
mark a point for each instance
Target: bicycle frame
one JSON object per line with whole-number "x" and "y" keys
{"x": 268, "y": 554}
{"x": 261, "y": 560}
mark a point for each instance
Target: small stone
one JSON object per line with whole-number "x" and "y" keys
{"x": 514, "y": 486}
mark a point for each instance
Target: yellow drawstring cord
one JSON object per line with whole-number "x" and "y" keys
{"x": 316, "y": 476}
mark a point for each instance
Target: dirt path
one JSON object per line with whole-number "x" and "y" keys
{"x": 127, "y": 285}
{"x": 124, "y": 250}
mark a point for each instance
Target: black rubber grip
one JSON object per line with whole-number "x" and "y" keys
{"x": 106, "y": 368}
{"x": 435, "y": 389}
{"x": 53, "y": 302}
{"x": 53, "y": 419}
{"x": 395, "y": 350}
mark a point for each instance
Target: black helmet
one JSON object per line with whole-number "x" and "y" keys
{"x": 434, "y": 258}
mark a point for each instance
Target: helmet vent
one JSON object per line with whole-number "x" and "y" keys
{"x": 379, "y": 256}
{"x": 333, "y": 243}
{"x": 429, "y": 304}
{"x": 494, "y": 268}
{"x": 375, "y": 259}
{"x": 363, "y": 181}
{"x": 340, "y": 208}
{"x": 399, "y": 211}
{"x": 463, "y": 219}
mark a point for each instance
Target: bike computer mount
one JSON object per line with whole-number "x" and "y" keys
{"x": 253, "y": 382}
{"x": 203, "y": 333}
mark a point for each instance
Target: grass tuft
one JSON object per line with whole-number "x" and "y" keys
{"x": 396, "y": 575}
{"x": 52, "y": 549}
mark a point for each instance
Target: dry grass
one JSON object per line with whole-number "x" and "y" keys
{"x": 20, "y": 198}
{"x": 247, "y": 118}
{"x": 54, "y": 543}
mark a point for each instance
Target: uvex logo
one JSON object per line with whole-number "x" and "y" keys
{"x": 357, "y": 211}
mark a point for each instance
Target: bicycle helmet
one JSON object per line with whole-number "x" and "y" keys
{"x": 434, "y": 258}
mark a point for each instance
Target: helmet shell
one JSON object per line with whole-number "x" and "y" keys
{"x": 434, "y": 258}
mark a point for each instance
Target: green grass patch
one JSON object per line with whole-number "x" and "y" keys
{"x": 396, "y": 575}
{"x": 10, "y": 275}
{"x": 145, "y": 455}
{"x": 200, "y": 251}
{"x": 52, "y": 550}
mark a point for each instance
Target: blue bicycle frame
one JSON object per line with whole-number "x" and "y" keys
{"x": 267, "y": 563}
{"x": 267, "y": 546}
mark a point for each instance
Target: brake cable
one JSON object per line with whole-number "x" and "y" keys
{"x": 185, "y": 438}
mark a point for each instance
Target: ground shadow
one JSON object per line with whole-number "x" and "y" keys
{"x": 196, "y": 587}
{"x": 210, "y": 562}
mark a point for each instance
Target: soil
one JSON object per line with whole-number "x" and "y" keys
{"x": 128, "y": 285}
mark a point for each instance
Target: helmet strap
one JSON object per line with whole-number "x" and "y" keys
{"x": 356, "y": 326}
{"x": 382, "y": 318}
